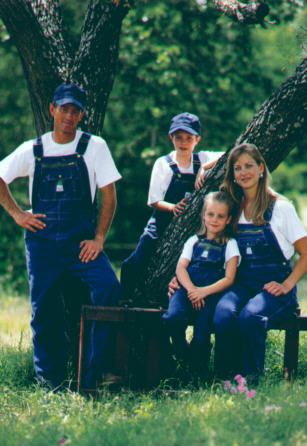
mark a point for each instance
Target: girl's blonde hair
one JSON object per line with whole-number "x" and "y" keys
{"x": 224, "y": 198}
{"x": 265, "y": 194}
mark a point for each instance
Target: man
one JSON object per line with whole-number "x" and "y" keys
{"x": 64, "y": 168}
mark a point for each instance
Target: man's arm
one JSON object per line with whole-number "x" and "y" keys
{"x": 90, "y": 249}
{"x": 26, "y": 220}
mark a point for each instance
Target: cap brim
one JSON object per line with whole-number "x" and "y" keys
{"x": 185, "y": 129}
{"x": 70, "y": 101}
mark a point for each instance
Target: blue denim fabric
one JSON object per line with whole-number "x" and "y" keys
{"x": 245, "y": 313}
{"x": 61, "y": 190}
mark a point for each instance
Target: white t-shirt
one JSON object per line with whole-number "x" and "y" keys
{"x": 232, "y": 249}
{"x": 98, "y": 159}
{"x": 285, "y": 224}
{"x": 161, "y": 174}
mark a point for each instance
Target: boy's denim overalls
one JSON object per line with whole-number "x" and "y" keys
{"x": 61, "y": 190}
{"x": 206, "y": 268}
{"x": 246, "y": 312}
{"x": 134, "y": 267}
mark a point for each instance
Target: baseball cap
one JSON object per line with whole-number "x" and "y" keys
{"x": 185, "y": 121}
{"x": 69, "y": 94}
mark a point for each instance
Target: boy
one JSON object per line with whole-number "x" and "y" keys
{"x": 172, "y": 180}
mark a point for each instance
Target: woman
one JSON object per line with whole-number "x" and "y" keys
{"x": 268, "y": 233}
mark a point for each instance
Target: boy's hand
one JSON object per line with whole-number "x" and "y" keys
{"x": 180, "y": 207}
{"x": 173, "y": 286}
{"x": 200, "y": 178}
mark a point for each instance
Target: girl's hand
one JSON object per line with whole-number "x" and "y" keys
{"x": 275, "y": 288}
{"x": 199, "y": 304}
{"x": 200, "y": 178}
{"x": 196, "y": 294}
{"x": 180, "y": 207}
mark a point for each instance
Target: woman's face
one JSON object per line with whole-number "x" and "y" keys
{"x": 247, "y": 172}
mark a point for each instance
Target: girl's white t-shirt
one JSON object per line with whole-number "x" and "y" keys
{"x": 98, "y": 159}
{"x": 161, "y": 174}
{"x": 285, "y": 224}
{"x": 232, "y": 249}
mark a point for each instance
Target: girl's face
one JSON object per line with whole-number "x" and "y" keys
{"x": 215, "y": 218}
{"x": 247, "y": 172}
{"x": 184, "y": 141}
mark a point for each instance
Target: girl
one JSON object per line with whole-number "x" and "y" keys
{"x": 206, "y": 267}
{"x": 269, "y": 231}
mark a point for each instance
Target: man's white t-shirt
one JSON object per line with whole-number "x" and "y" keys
{"x": 285, "y": 224}
{"x": 161, "y": 174}
{"x": 232, "y": 249}
{"x": 98, "y": 159}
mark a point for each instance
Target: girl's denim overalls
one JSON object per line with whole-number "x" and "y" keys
{"x": 246, "y": 312}
{"x": 134, "y": 267}
{"x": 206, "y": 267}
{"x": 61, "y": 190}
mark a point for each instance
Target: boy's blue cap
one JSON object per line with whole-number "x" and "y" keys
{"x": 69, "y": 94}
{"x": 185, "y": 121}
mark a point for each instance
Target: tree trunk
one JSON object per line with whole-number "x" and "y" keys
{"x": 275, "y": 129}
{"x": 47, "y": 59}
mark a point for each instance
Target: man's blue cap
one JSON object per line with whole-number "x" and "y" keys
{"x": 186, "y": 122}
{"x": 69, "y": 94}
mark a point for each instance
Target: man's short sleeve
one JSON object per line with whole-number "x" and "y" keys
{"x": 19, "y": 163}
{"x": 105, "y": 169}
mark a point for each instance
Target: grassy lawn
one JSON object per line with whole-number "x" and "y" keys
{"x": 212, "y": 416}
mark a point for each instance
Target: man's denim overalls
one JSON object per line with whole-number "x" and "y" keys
{"x": 61, "y": 190}
{"x": 206, "y": 268}
{"x": 134, "y": 267}
{"x": 246, "y": 312}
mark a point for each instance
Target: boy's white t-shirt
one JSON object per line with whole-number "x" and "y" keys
{"x": 98, "y": 159}
{"x": 232, "y": 249}
{"x": 161, "y": 174}
{"x": 285, "y": 224}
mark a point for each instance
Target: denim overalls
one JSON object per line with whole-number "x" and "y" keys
{"x": 246, "y": 312}
{"x": 134, "y": 267}
{"x": 207, "y": 267}
{"x": 61, "y": 190}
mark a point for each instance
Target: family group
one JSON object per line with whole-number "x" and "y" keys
{"x": 233, "y": 278}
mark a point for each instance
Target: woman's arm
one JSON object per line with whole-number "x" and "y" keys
{"x": 300, "y": 268}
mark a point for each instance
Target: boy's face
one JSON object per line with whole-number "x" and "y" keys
{"x": 184, "y": 141}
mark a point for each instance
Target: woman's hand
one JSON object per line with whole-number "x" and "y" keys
{"x": 275, "y": 288}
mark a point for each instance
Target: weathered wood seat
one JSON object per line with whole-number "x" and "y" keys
{"x": 141, "y": 343}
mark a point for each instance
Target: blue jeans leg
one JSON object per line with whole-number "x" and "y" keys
{"x": 227, "y": 334}
{"x": 134, "y": 268}
{"x": 104, "y": 289}
{"x": 201, "y": 342}
{"x": 47, "y": 321}
{"x": 176, "y": 320}
{"x": 255, "y": 319}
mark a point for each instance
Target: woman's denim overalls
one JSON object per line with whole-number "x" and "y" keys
{"x": 206, "y": 268}
{"x": 134, "y": 267}
{"x": 61, "y": 190}
{"x": 246, "y": 312}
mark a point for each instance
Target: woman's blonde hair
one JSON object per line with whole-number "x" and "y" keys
{"x": 224, "y": 198}
{"x": 265, "y": 194}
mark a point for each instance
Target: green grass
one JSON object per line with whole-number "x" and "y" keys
{"x": 209, "y": 416}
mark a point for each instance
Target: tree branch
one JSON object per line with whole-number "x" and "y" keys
{"x": 248, "y": 14}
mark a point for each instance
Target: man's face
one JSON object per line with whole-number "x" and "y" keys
{"x": 66, "y": 118}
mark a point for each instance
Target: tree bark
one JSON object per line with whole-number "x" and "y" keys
{"x": 245, "y": 13}
{"x": 275, "y": 129}
{"x": 47, "y": 59}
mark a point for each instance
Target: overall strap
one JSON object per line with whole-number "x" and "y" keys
{"x": 172, "y": 164}
{"x": 196, "y": 163}
{"x": 38, "y": 148}
{"x": 269, "y": 211}
{"x": 83, "y": 143}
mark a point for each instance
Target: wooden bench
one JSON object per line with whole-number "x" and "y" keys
{"x": 141, "y": 348}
